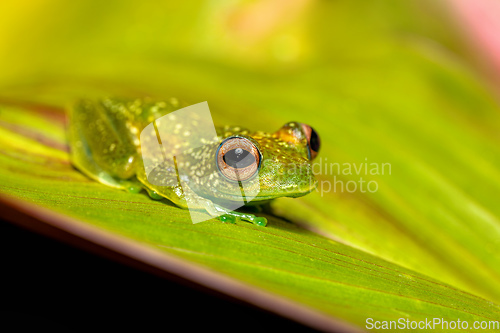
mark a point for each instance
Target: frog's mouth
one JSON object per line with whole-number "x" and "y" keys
{"x": 260, "y": 197}
{"x": 290, "y": 195}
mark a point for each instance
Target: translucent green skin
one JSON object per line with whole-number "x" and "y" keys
{"x": 104, "y": 139}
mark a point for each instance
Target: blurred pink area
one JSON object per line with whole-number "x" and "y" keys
{"x": 480, "y": 20}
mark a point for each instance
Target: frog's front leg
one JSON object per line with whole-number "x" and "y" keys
{"x": 164, "y": 182}
{"x": 194, "y": 201}
{"x": 184, "y": 197}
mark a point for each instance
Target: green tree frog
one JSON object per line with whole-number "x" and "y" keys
{"x": 104, "y": 136}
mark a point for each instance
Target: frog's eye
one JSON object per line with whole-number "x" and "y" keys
{"x": 313, "y": 141}
{"x": 238, "y": 158}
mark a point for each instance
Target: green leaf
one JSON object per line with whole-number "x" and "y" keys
{"x": 282, "y": 259}
{"x": 380, "y": 82}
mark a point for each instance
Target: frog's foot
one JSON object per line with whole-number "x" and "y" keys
{"x": 226, "y": 218}
{"x": 214, "y": 210}
{"x": 232, "y": 217}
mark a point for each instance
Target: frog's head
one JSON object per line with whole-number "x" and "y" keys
{"x": 270, "y": 165}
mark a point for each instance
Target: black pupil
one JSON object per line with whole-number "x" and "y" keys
{"x": 238, "y": 158}
{"x": 314, "y": 141}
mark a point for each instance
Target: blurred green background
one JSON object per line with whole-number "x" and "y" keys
{"x": 381, "y": 81}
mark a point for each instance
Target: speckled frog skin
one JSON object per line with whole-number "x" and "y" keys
{"x": 104, "y": 137}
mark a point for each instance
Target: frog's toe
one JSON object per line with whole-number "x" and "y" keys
{"x": 153, "y": 194}
{"x": 260, "y": 221}
{"x": 257, "y": 220}
{"x": 130, "y": 186}
{"x": 134, "y": 189}
{"x": 227, "y": 218}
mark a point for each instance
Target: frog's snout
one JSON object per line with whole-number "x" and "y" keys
{"x": 307, "y": 186}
